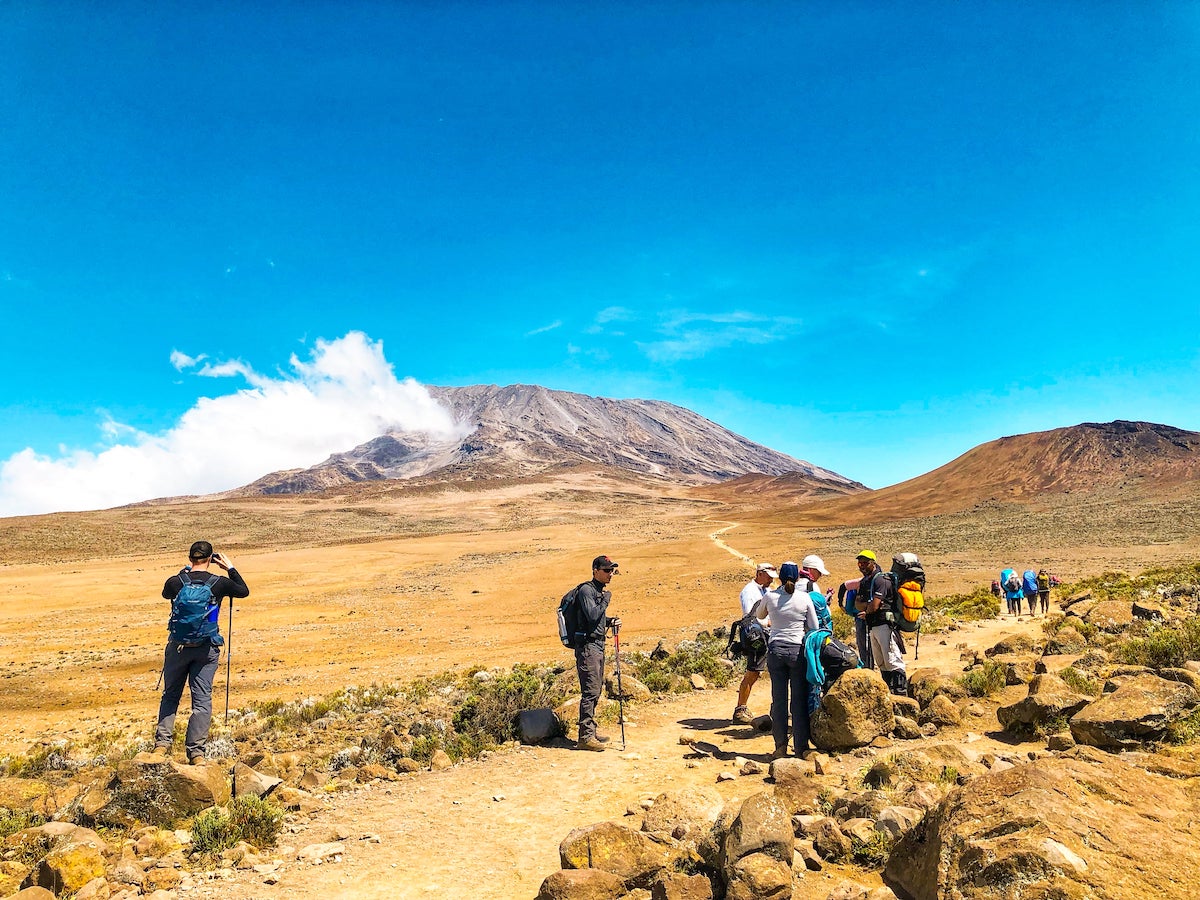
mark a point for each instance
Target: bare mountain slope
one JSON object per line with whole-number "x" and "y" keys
{"x": 1144, "y": 457}
{"x": 521, "y": 430}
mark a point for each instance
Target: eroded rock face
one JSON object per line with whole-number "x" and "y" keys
{"x": 856, "y": 710}
{"x": 1090, "y": 826}
{"x": 1139, "y": 710}
{"x": 1049, "y": 697}
{"x": 763, "y": 826}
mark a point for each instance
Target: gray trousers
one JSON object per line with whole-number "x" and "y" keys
{"x": 195, "y": 666}
{"x": 589, "y": 663}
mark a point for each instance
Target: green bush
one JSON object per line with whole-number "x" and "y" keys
{"x": 489, "y": 712}
{"x": 1080, "y": 682}
{"x": 246, "y": 818}
{"x": 1163, "y": 647}
{"x": 986, "y": 679}
{"x": 1185, "y": 730}
{"x": 704, "y": 656}
{"x": 872, "y": 854}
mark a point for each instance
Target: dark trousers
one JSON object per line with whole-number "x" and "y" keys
{"x": 195, "y": 666}
{"x": 788, "y": 670}
{"x": 589, "y": 663}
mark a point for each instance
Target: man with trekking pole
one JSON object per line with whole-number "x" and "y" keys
{"x": 193, "y": 651}
{"x": 592, "y": 599}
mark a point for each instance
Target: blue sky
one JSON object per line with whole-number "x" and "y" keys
{"x": 869, "y": 235}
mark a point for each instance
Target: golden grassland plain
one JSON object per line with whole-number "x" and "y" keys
{"x": 388, "y": 582}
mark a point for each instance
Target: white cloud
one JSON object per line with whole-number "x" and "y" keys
{"x": 544, "y": 328}
{"x": 182, "y": 361}
{"x": 691, "y": 335}
{"x": 345, "y": 394}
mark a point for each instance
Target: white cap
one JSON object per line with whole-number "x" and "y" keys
{"x": 768, "y": 568}
{"x": 814, "y": 562}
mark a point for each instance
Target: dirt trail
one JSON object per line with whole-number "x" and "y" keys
{"x": 491, "y": 828}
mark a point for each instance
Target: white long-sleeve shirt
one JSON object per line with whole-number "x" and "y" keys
{"x": 792, "y": 615}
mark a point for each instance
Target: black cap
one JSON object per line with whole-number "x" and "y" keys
{"x": 603, "y": 562}
{"x": 200, "y": 550}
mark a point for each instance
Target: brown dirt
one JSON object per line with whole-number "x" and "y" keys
{"x": 491, "y": 829}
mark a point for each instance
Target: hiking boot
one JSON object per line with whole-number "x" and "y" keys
{"x": 197, "y": 760}
{"x": 590, "y": 744}
{"x": 742, "y": 715}
{"x": 161, "y": 751}
{"x": 603, "y": 738}
{"x": 779, "y": 752}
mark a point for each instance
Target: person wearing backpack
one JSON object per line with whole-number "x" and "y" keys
{"x": 792, "y": 616}
{"x": 876, "y": 601}
{"x": 756, "y": 662}
{"x": 591, "y": 603}
{"x": 1043, "y": 585}
{"x": 1029, "y": 587}
{"x": 194, "y": 642}
{"x": 1011, "y": 582}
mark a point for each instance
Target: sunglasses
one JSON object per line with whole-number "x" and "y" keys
{"x": 608, "y": 568}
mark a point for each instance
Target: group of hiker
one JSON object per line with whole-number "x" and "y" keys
{"x": 787, "y": 631}
{"x": 1030, "y": 586}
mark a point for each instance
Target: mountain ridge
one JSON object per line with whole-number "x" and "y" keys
{"x": 520, "y": 430}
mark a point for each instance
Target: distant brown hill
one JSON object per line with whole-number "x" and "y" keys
{"x": 522, "y": 430}
{"x": 1148, "y": 458}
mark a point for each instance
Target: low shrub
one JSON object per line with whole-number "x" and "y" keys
{"x": 1161, "y": 647}
{"x": 704, "y": 656}
{"x": 986, "y": 679}
{"x": 1185, "y": 730}
{"x": 1081, "y": 682}
{"x": 245, "y": 818}
{"x": 14, "y": 820}
{"x": 874, "y": 853}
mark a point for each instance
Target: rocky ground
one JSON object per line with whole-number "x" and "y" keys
{"x": 492, "y": 828}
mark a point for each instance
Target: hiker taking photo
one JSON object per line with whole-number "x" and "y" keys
{"x": 193, "y": 651}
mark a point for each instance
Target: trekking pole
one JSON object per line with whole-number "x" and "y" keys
{"x": 228, "y": 659}
{"x": 620, "y": 689}
{"x": 917, "y": 653}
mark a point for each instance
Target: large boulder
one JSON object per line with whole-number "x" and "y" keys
{"x": 536, "y": 725}
{"x": 760, "y": 876}
{"x": 1065, "y": 641}
{"x": 1111, "y": 615}
{"x": 678, "y": 886}
{"x": 634, "y": 856}
{"x": 150, "y": 791}
{"x": 68, "y": 867}
{"x": 856, "y": 710}
{"x": 250, "y": 781}
{"x": 1139, "y": 710}
{"x": 629, "y": 689}
{"x": 1035, "y": 831}
{"x": 763, "y": 826}
{"x": 1049, "y": 697}
{"x": 581, "y": 884}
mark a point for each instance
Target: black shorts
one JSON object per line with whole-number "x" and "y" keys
{"x": 756, "y": 662}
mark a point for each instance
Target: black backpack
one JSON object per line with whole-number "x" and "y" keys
{"x": 837, "y": 658}
{"x": 568, "y": 619}
{"x": 193, "y": 612}
{"x": 747, "y": 636}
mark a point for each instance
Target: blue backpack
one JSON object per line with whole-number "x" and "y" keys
{"x": 824, "y": 616}
{"x": 194, "y": 612}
